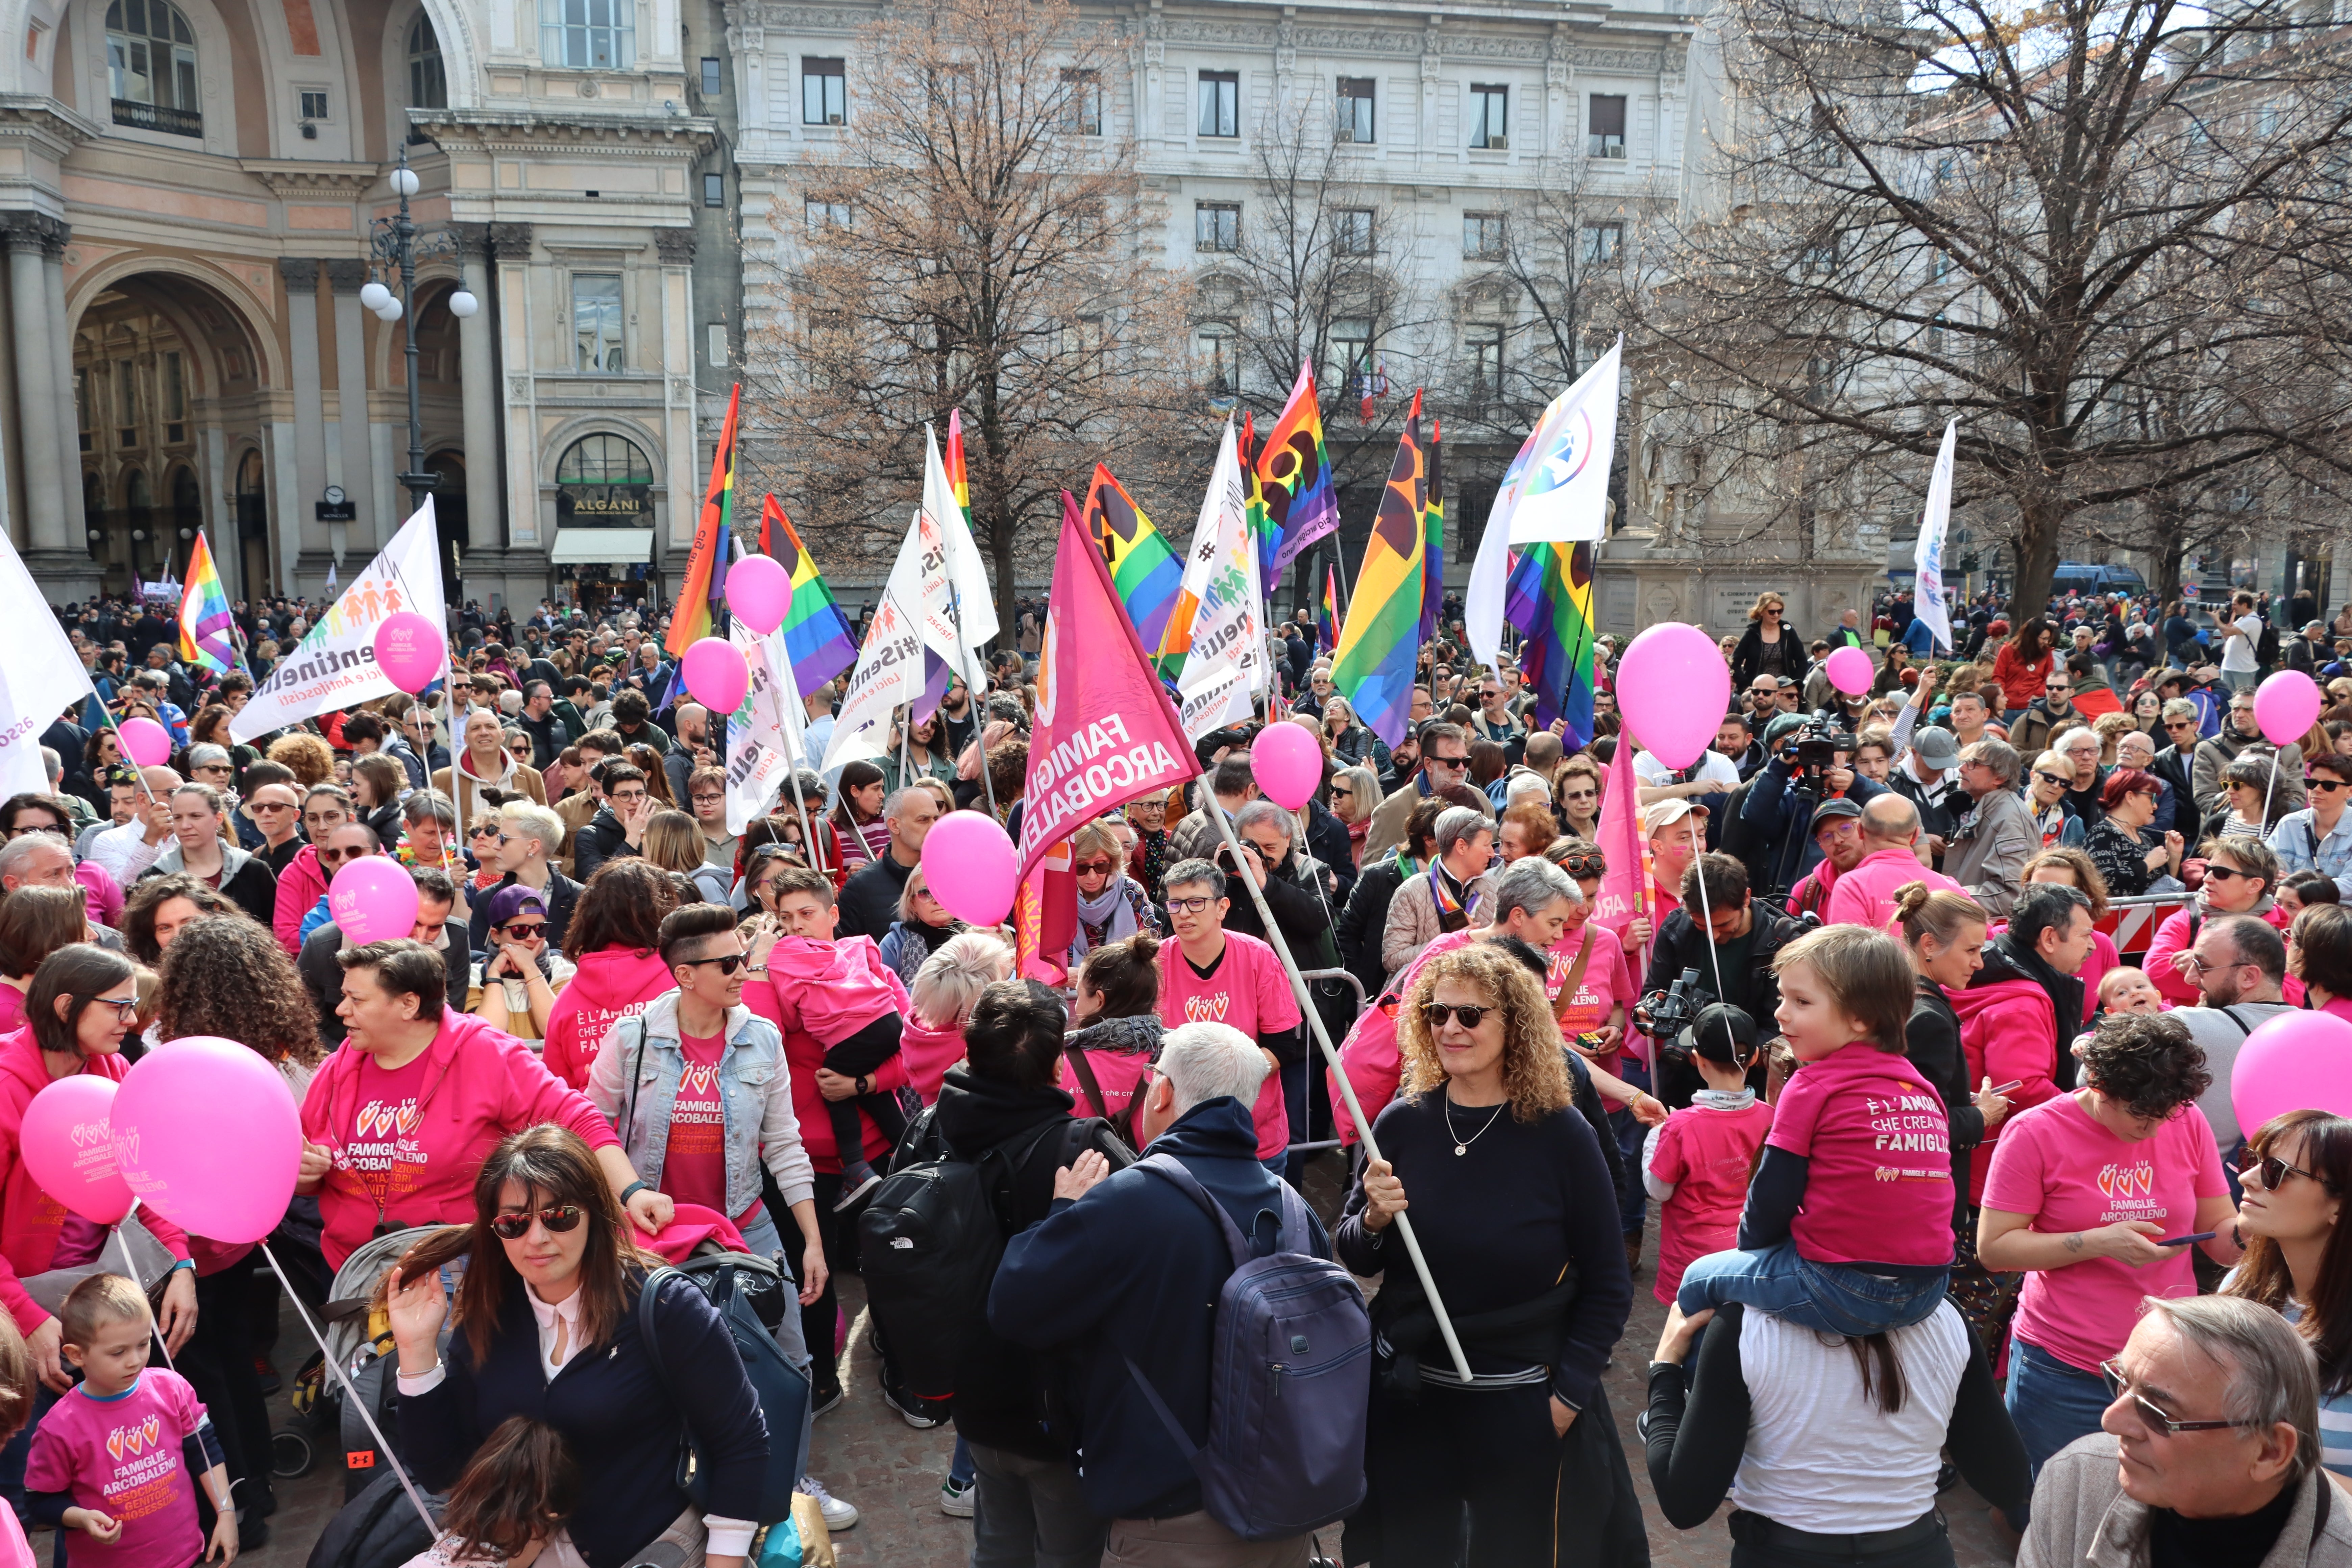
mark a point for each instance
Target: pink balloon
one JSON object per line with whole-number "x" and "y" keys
{"x": 2295, "y": 1061}
{"x": 409, "y": 651}
{"x": 1673, "y": 689}
{"x": 169, "y": 1120}
{"x": 968, "y": 861}
{"x": 1287, "y": 763}
{"x": 146, "y": 741}
{"x": 758, "y": 591}
{"x": 372, "y": 900}
{"x": 715, "y": 675}
{"x": 1849, "y": 670}
{"x": 69, "y": 1148}
{"x": 2287, "y": 706}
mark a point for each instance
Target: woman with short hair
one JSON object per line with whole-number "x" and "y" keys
{"x": 35, "y": 921}
{"x": 2320, "y": 955}
{"x": 2241, "y": 876}
{"x": 1112, "y": 905}
{"x": 1576, "y": 797}
{"x": 160, "y": 907}
{"x": 922, "y": 928}
{"x": 1355, "y": 795}
{"x": 2128, "y": 851}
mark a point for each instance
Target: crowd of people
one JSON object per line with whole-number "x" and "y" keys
{"x": 1941, "y": 1182}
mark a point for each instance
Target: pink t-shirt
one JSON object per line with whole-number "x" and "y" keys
{"x": 15, "y": 1552}
{"x": 1878, "y": 1156}
{"x": 12, "y": 1009}
{"x": 2059, "y": 1165}
{"x": 1248, "y": 991}
{"x": 1607, "y": 981}
{"x": 1707, "y": 1154}
{"x": 122, "y": 1457}
{"x": 694, "y": 1165}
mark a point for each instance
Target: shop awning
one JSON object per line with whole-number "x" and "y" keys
{"x": 617, "y": 546}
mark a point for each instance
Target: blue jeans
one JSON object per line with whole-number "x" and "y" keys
{"x": 1825, "y": 1297}
{"x": 2053, "y": 1404}
{"x": 1632, "y": 1205}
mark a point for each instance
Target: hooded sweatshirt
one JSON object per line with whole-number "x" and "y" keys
{"x": 841, "y": 986}
{"x": 784, "y": 995}
{"x": 432, "y": 1123}
{"x": 611, "y": 984}
{"x": 29, "y": 1217}
{"x": 299, "y": 888}
{"x": 2008, "y": 1027}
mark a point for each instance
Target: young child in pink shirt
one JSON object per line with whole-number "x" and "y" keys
{"x": 1697, "y": 1160}
{"x": 107, "y": 1461}
{"x": 1848, "y": 1226}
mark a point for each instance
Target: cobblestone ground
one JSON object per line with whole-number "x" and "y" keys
{"x": 866, "y": 1454}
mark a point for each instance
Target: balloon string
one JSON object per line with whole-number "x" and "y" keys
{"x": 131, "y": 1270}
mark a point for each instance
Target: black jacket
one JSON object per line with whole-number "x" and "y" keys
{"x": 603, "y": 839}
{"x": 870, "y": 899}
{"x": 1327, "y": 840}
{"x": 561, "y": 896}
{"x": 2177, "y": 768}
{"x": 1932, "y": 1041}
{"x": 1748, "y": 656}
{"x": 1010, "y": 1397}
{"x": 1364, "y": 919}
{"x": 1682, "y": 945}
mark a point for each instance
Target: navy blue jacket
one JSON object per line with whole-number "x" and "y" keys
{"x": 619, "y": 1421}
{"x": 1766, "y": 811}
{"x": 1134, "y": 1269}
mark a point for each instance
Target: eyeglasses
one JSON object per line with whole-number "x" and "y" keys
{"x": 1092, "y": 868}
{"x": 1188, "y": 906}
{"x": 701, "y": 799}
{"x": 728, "y": 962}
{"x": 527, "y": 929}
{"x": 331, "y": 854}
{"x": 2180, "y": 723}
{"x": 2214, "y": 869}
{"x": 559, "y": 1220}
{"x": 1440, "y": 1014}
{"x": 2119, "y": 1386}
{"x": 2272, "y": 1170}
{"x": 125, "y": 1007}
{"x": 269, "y": 806}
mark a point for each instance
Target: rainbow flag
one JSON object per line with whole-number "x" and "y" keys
{"x": 1327, "y": 614}
{"x": 1549, "y": 599}
{"x": 1144, "y": 570}
{"x": 206, "y": 630}
{"x": 704, "y": 583}
{"x": 958, "y": 481}
{"x": 1379, "y": 645}
{"x": 1433, "y": 595}
{"x": 1295, "y": 472}
{"x": 817, "y": 635}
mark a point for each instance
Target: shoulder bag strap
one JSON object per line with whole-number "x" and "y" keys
{"x": 1076, "y": 1057}
{"x": 1566, "y": 996}
{"x": 2232, "y": 1013}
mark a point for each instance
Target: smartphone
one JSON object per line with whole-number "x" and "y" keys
{"x": 2005, "y": 1087}
{"x": 2184, "y": 1240}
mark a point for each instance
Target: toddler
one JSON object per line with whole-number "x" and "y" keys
{"x": 510, "y": 1503}
{"x": 855, "y": 1006}
{"x": 1697, "y": 1162}
{"x": 1848, "y": 1226}
{"x": 2125, "y": 989}
{"x": 110, "y": 1460}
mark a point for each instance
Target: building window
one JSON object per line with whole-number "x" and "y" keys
{"x": 1082, "y": 106}
{"x": 310, "y": 103}
{"x": 1357, "y": 96}
{"x": 1484, "y": 344}
{"x": 1351, "y": 346}
{"x": 126, "y": 404}
{"x": 1213, "y": 343}
{"x": 1216, "y": 226}
{"x": 1221, "y": 103}
{"x": 428, "y": 86}
{"x": 1490, "y": 116}
{"x": 1599, "y": 241}
{"x": 174, "y": 370}
{"x": 713, "y": 84}
{"x": 597, "y": 320}
{"x": 151, "y": 68}
{"x": 819, "y": 212}
{"x": 602, "y": 479}
{"x": 1482, "y": 236}
{"x": 824, "y": 92}
{"x": 1353, "y": 231}
{"x": 716, "y": 338}
{"x": 590, "y": 35}
{"x": 1604, "y": 126}
{"x": 714, "y": 190}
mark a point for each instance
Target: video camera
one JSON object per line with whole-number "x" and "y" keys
{"x": 1814, "y": 751}
{"x": 1666, "y": 1014}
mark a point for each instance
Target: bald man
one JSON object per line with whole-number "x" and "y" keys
{"x": 1890, "y": 862}
{"x": 126, "y": 852}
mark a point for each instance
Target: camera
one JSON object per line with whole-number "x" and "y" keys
{"x": 1815, "y": 750}
{"x": 1669, "y": 1012}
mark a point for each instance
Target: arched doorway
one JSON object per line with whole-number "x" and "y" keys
{"x": 604, "y": 518}
{"x": 252, "y": 527}
{"x": 449, "y": 510}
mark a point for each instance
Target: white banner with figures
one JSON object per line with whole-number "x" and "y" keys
{"x": 334, "y": 664}
{"x": 40, "y": 678}
{"x": 763, "y": 736}
{"x": 1225, "y": 666}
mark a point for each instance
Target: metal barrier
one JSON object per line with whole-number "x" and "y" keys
{"x": 2132, "y": 923}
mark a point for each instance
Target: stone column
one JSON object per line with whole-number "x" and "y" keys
{"x": 301, "y": 276}
{"x": 477, "y": 379}
{"x": 53, "y": 274}
{"x": 38, "y": 397}
{"x": 357, "y": 441}
{"x": 518, "y": 464}
{"x": 683, "y": 457}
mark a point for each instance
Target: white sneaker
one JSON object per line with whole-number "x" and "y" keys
{"x": 838, "y": 1515}
{"x": 959, "y": 1500}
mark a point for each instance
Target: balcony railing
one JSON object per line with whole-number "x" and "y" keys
{"x": 157, "y": 117}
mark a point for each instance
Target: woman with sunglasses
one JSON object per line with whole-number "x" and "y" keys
{"x": 81, "y": 1003}
{"x": 615, "y": 930}
{"x": 2130, "y": 853}
{"x": 1112, "y": 906}
{"x": 2239, "y": 874}
{"x": 2054, "y": 1209}
{"x": 1355, "y": 795}
{"x": 922, "y": 928}
{"x": 2045, "y": 800}
{"x": 545, "y": 1326}
{"x": 1768, "y": 646}
{"x": 517, "y": 979}
{"x": 2296, "y": 1170}
{"x": 1577, "y": 796}
{"x": 2251, "y": 794}
{"x": 1513, "y": 1208}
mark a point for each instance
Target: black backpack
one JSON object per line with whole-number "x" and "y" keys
{"x": 749, "y": 1294}
{"x": 2266, "y": 650}
{"x": 377, "y": 1528}
{"x": 929, "y": 1240}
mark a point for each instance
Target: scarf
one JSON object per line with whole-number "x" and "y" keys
{"x": 1110, "y": 916}
{"x": 1451, "y": 915}
{"x": 1135, "y": 1037}
{"x": 918, "y": 941}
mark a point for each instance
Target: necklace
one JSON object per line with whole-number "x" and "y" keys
{"x": 1462, "y": 1145}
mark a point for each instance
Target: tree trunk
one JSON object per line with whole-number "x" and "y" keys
{"x": 2037, "y": 558}
{"x": 2167, "y": 535}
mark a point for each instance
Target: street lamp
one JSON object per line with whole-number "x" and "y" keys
{"x": 397, "y": 245}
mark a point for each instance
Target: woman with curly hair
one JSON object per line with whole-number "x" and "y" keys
{"x": 160, "y": 907}
{"x": 229, "y": 978}
{"x": 1513, "y": 1209}
{"x": 2050, "y": 1204}
{"x": 312, "y": 759}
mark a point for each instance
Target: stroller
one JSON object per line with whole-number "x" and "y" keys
{"x": 359, "y": 1338}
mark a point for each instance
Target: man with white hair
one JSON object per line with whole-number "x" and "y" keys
{"x": 1117, "y": 1277}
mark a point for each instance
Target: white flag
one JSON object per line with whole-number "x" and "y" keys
{"x": 764, "y": 737}
{"x": 1482, "y": 604}
{"x": 1928, "y": 603}
{"x": 1225, "y": 667}
{"x": 963, "y": 573}
{"x": 40, "y": 677}
{"x": 1561, "y": 493}
{"x": 890, "y": 665}
{"x": 334, "y": 664}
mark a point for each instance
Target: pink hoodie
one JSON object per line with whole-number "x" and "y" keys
{"x": 929, "y": 1053}
{"x": 478, "y": 1085}
{"x": 29, "y": 1217}
{"x": 784, "y": 997}
{"x": 840, "y": 987}
{"x": 101, "y": 894}
{"x": 1866, "y": 895}
{"x": 299, "y": 888}
{"x": 2007, "y": 1032}
{"x": 612, "y": 983}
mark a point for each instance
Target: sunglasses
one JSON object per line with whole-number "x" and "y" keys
{"x": 331, "y": 856}
{"x": 2158, "y": 1421}
{"x": 2325, "y": 786}
{"x": 559, "y": 1220}
{"x": 1440, "y": 1014}
{"x": 2272, "y": 1170}
{"x": 1460, "y": 762}
{"x": 728, "y": 962}
{"x": 527, "y": 929}
{"x": 1338, "y": 794}
{"x": 1092, "y": 868}
{"x": 2052, "y": 778}
{"x": 1582, "y": 866}
{"x": 2226, "y": 872}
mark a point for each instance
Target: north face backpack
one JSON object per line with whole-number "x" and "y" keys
{"x": 1289, "y": 1381}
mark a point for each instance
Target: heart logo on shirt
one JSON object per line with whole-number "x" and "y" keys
{"x": 1206, "y": 1009}
{"x": 114, "y": 1444}
{"x": 151, "y": 1431}
{"x": 406, "y": 1117}
{"x": 2118, "y": 1182}
{"x": 698, "y": 1079}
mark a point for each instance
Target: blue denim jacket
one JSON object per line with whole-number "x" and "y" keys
{"x": 635, "y": 1084}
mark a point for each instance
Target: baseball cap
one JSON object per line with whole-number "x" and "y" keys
{"x": 1936, "y": 748}
{"x": 1832, "y": 809}
{"x": 1721, "y": 1033}
{"x": 1779, "y": 728}
{"x": 1659, "y": 812}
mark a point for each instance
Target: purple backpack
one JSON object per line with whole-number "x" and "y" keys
{"x": 1289, "y": 1381}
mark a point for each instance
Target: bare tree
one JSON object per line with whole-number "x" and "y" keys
{"x": 2110, "y": 238}
{"x": 981, "y": 241}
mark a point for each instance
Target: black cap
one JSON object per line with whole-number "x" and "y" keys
{"x": 1722, "y": 1032}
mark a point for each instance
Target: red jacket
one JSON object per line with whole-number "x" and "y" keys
{"x": 299, "y": 888}
{"x": 480, "y": 1085}
{"x": 2006, "y": 1028}
{"x": 2021, "y": 682}
{"x": 29, "y": 1217}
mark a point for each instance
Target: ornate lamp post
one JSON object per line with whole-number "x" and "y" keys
{"x": 397, "y": 244}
